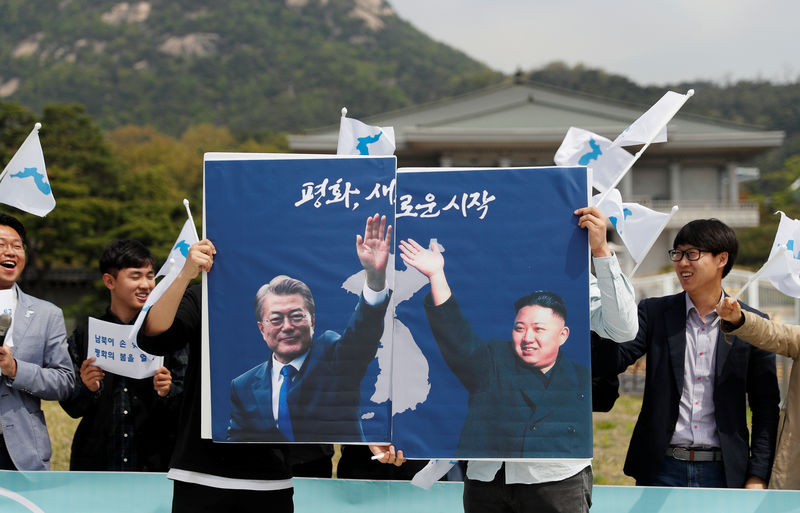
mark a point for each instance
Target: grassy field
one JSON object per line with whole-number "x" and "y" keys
{"x": 612, "y": 431}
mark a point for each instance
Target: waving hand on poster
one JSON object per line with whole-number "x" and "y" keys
{"x": 373, "y": 251}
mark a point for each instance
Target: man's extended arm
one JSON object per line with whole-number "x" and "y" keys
{"x": 162, "y": 313}
{"x": 612, "y": 304}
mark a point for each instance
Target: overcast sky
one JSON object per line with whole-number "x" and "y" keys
{"x": 650, "y": 42}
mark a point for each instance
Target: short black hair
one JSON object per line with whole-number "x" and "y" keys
{"x": 123, "y": 254}
{"x": 712, "y": 235}
{"x": 13, "y": 222}
{"x": 545, "y": 299}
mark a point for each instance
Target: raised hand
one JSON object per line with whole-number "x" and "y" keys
{"x": 200, "y": 258}
{"x": 373, "y": 250}
{"x": 730, "y": 311}
{"x": 427, "y": 261}
{"x": 594, "y": 222}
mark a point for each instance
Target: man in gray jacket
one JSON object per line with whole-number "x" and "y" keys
{"x": 34, "y": 363}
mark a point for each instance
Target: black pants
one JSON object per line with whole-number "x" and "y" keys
{"x": 571, "y": 495}
{"x": 194, "y": 498}
{"x": 6, "y": 463}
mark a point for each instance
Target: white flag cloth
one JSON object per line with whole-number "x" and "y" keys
{"x": 357, "y": 138}
{"x": 170, "y": 269}
{"x": 116, "y": 351}
{"x": 784, "y": 272}
{"x": 636, "y": 225}
{"x": 432, "y": 472}
{"x": 651, "y": 127}
{"x": 583, "y": 148}
{"x": 24, "y": 183}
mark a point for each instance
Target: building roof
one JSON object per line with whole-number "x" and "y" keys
{"x": 510, "y": 116}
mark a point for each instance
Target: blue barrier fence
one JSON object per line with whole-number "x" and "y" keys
{"x": 56, "y": 492}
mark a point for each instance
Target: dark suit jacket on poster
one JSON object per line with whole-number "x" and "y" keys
{"x": 324, "y": 397}
{"x": 514, "y": 410}
{"x": 742, "y": 372}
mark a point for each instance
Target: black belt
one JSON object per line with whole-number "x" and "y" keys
{"x": 690, "y": 454}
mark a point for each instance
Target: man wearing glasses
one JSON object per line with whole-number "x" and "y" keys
{"x": 692, "y": 430}
{"x": 34, "y": 363}
{"x": 309, "y": 389}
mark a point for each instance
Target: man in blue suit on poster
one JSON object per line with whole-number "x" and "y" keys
{"x": 309, "y": 389}
{"x": 525, "y": 397}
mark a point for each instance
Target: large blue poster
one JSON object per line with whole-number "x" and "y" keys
{"x": 503, "y": 381}
{"x": 498, "y": 367}
{"x": 272, "y": 216}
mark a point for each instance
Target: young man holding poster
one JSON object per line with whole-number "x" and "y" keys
{"x": 211, "y": 477}
{"x": 34, "y": 363}
{"x": 550, "y": 485}
{"x": 126, "y": 424}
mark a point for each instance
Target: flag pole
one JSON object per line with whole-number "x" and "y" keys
{"x": 754, "y": 277}
{"x": 344, "y": 112}
{"x": 653, "y": 241}
{"x": 189, "y": 214}
{"x": 36, "y": 128}
{"x": 621, "y": 175}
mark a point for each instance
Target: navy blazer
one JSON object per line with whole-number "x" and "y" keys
{"x": 44, "y": 371}
{"x": 514, "y": 410}
{"x": 743, "y": 373}
{"x": 324, "y": 397}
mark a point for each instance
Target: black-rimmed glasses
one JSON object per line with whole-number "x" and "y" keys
{"x": 692, "y": 254}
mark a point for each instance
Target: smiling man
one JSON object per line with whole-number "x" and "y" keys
{"x": 309, "y": 389}
{"x": 692, "y": 430}
{"x": 538, "y": 393}
{"x": 126, "y": 424}
{"x": 34, "y": 363}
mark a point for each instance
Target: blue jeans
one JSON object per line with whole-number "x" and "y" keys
{"x": 702, "y": 474}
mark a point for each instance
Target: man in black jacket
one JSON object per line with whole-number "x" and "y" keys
{"x": 126, "y": 424}
{"x": 692, "y": 430}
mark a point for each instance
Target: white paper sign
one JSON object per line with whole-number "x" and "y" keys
{"x": 118, "y": 353}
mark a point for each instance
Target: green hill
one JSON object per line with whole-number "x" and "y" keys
{"x": 252, "y": 65}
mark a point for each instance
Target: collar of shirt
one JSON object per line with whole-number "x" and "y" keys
{"x": 709, "y": 317}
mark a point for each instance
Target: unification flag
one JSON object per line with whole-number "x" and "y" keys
{"x": 170, "y": 269}
{"x": 357, "y": 138}
{"x": 584, "y": 148}
{"x": 651, "y": 127}
{"x": 24, "y": 183}
{"x": 784, "y": 271}
{"x": 637, "y": 226}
